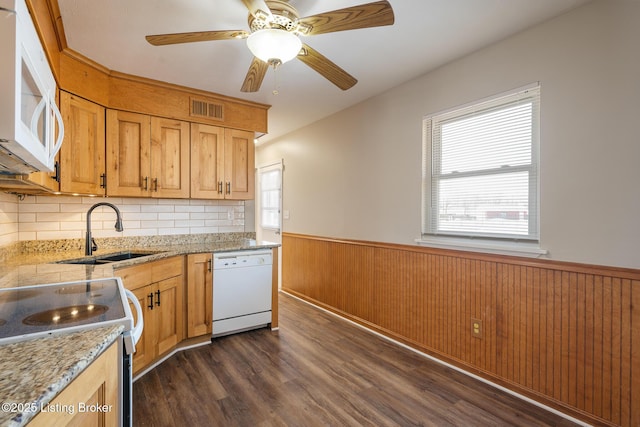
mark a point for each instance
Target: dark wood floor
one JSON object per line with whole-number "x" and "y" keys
{"x": 318, "y": 370}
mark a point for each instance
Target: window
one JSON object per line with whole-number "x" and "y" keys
{"x": 270, "y": 198}
{"x": 480, "y": 169}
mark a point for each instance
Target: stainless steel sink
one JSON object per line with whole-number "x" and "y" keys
{"x": 107, "y": 258}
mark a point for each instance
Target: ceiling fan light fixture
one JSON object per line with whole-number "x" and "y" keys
{"x": 274, "y": 45}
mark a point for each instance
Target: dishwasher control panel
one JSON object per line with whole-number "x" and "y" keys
{"x": 241, "y": 259}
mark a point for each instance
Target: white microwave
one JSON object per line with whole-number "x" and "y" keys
{"x": 31, "y": 129}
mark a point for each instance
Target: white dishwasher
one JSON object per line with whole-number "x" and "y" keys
{"x": 241, "y": 291}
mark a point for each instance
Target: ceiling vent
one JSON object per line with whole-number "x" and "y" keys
{"x": 206, "y": 109}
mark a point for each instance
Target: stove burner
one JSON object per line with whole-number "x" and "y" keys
{"x": 65, "y": 315}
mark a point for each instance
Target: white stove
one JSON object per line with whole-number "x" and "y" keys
{"x": 37, "y": 311}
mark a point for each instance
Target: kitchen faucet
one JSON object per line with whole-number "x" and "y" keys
{"x": 89, "y": 243}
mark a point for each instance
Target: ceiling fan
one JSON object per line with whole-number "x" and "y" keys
{"x": 274, "y": 37}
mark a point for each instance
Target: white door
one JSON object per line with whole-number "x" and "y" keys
{"x": 269, "y": 207}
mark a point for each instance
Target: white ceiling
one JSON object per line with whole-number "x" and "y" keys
{"x": 426, "y": 35}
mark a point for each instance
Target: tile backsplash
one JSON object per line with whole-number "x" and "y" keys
{"x": 8, "y": 219}
{"x": 64, "y": 217}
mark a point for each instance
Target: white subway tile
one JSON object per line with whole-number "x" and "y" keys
{"x": 106, "y": 233}
{"x": 44, "y": 207}
{"x": 58, "y": 216}
{"x": 40, "y": 226}
{"x": 73, "y": 225}
{"x": 7, "y": 239}
{"x": 139, "y": 216}
{"x": 53, "y": 235}
{"x": 204, "y": 230}
{"x": 157, "y": 224}
{"x": 27, "y": 217}
{"x": 231, "y": 229}
{"x": 27, "y": 235}
{"x": 216, "y": 222}
{"x": 172, "y": 215}
{"x": 130, "y": 224}
{"x": 128, "y": 208}
{"x": 189, "y": 208}
{"x": 45, "y": 217}
{"x": 156, "y": 208}
{"x": 172, "y": 231}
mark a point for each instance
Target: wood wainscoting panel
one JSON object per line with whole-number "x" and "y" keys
{"x": 560, "y": 333}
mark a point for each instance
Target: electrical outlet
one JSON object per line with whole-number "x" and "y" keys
{"x": 476, "y": 328}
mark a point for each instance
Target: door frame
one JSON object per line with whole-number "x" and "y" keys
{"x": 270, "y": 234}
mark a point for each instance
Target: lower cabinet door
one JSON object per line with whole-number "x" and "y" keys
{"x": 90, "y": 400}
{"x": 199, "y": 294}
{"x": 168, "y": 313}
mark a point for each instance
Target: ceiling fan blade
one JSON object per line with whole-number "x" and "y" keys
{"x": 326, "y": 68}
{"x": 199, "y": 36}
{"x": 255, "y": 75}
{"x": 368, "y": 15}
{"x": 258, "y": 8}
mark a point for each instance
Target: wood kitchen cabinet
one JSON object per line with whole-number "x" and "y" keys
{"x": 159, "y": 287}
{"x": 222, "y": 163}
{"x": 97, "y": 385}
{"x": 82, "y": 156}
{"x": 147, "y": 156}
{"x": 47, "y": 181}
{"x": 199, "y": 294}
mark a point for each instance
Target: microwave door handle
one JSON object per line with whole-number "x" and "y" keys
{"x": 36, "y": 114}
{"x": 136, "y": 333}
{"x": 58, "y": 145}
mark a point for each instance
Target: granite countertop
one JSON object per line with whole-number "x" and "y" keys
{"x": 34, "y": 372}
{"x": 39, "y": 267}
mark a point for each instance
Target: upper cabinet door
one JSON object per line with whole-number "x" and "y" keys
{"x": 169, "y": 158}
{"x": 239, "y": 165}
{"x": 82, "y": 165}
{"x": 207, "y": 161}
{"x": 128, "y": 156}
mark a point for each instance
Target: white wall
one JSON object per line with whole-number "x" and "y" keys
{"x": 357, "y": 174}
{"x": 60, "y": 217}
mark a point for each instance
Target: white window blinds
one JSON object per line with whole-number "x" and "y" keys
{"x": 482, "y": 175}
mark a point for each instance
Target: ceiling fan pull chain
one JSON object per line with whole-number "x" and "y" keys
{"x": 275, "y": 78}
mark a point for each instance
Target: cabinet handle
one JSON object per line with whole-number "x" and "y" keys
{"x": 146, "y": 183}
{"x": 155, "y": 184}
{"x": 219, "y": 187}
{"x": 56, "y": 170}
{"x": 228, "y": 187}
{"x": 103, "y": 180}
{"x": 150, "y": 296}
{"x": 210, "y": 265}
{"x": 158, "y": 297}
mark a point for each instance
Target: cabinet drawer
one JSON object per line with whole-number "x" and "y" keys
{"x": 141, "y": 275}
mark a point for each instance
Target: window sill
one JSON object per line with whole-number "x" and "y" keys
{"x": 513, "y": 248}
